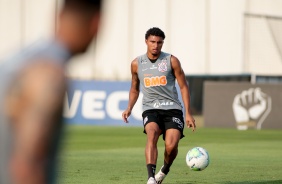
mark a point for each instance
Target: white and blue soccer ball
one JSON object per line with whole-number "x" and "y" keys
{"x": 197, "y": 159}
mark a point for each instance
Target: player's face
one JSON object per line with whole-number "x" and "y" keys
{"x": 154, "y": 44}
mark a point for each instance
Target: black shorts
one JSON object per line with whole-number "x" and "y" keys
{"x": 166, "y": 119}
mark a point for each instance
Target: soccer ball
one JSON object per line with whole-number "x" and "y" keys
{"x": 197, "y": 159}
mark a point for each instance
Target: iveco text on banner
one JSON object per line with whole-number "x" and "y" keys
{"x": 100, "y": 103}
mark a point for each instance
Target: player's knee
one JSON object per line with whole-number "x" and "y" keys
{"x": 171, "y": 148}
{"x": 152, "y": 135}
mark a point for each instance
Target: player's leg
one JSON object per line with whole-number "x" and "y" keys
{"x": 151, "y": 151}
{"x": 172, "y": 138}
{"x": 174, "y": 125}
{"x": 152, "y": 130}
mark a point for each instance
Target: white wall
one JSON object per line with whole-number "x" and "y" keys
{"x": 225, "y": 34}
{"x": 187, "y": 33}
{"x": 10, "y": 25}
{"x": 262, "y": 54}
{"x": 268, "y": 7}
{"x": 38, "y": 18}
{"x": 110, "y": 59}
{"x": 23, "y": 21}
{"x": 208, "y": 36}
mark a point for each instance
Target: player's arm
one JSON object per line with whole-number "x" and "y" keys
{"x": 180, "y": 77}
{"x": 35, "y": 105}
{"x": 134, "y": 90}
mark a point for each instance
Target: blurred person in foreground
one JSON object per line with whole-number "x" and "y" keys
{"x": 156, "y": 72}
{"x": 32, "y": 90}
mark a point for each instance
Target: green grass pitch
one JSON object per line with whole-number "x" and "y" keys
{"x": 115, "y": 155}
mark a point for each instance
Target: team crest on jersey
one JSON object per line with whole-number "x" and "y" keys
{"x": 162, "y": 66}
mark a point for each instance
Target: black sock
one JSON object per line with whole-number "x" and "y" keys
{"x": 165, "y": 168}
{"x": 151, "y": 170}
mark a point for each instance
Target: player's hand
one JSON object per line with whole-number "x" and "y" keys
{"x": 125, "y": 115}
{"x": 190, "y": 122}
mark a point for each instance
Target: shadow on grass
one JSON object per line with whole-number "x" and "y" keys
{"x": 256, "y": 182}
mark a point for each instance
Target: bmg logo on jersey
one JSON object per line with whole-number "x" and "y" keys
{"x": 155, "y": 81}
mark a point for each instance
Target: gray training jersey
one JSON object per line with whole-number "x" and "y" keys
{"x": 9, "y": 69}
{"x": 158, "y": 83}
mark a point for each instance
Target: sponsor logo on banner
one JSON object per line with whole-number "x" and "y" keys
{"x": 102, "y": 103}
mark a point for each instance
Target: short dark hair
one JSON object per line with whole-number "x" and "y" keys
{"x": 84, "y": 5}
{"x": 155, "y": 31}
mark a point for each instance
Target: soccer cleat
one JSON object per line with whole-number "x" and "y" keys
{"x": 151, "y": 180}
{"x": 160, "y": 176}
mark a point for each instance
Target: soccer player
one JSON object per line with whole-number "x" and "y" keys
{"x": 156, "y": 72}
{"x": 32, "y": 92}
